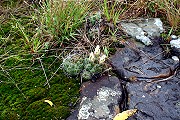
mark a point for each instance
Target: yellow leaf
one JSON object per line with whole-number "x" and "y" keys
{"x": 49, "y": 102}
{"x": 125, "y": 114}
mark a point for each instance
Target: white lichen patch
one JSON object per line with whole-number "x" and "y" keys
{"x": 104, "y": 93}
{"x": 98, "y": 107}
{"x": 144, "y": 30}
{"x": 175, "y": 43}
{"x": 159, "y": 24}
{"x": 144, "y": 39}
{"x": 84, "y": 109}
{"x": 105, "y": 96}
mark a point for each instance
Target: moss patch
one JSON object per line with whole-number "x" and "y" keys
{"x": 23, "y": 92}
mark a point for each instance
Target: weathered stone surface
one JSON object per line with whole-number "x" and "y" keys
{"x": 142, "y": 63}
{"x": 143, "y": 29}
{"x": 99, "y": 100}
{"x": 175, "y": 45}
{"x": 155, "y": 100}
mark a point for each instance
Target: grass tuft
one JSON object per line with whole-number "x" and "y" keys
{"x": 61, "y": 19}
{"x": 112, "y": 10}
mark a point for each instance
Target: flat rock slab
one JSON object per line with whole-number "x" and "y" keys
{"x": 142, "y": 63}
{"x": 99, "y": 100}
{"x": 155, "y": 100}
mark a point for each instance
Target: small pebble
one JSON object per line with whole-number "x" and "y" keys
{"x": 174, "y": 37}
{"x": 175, "y": 58}
{"x": 158, "y": 86}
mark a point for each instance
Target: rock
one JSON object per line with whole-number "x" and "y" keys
{"x": 136, "y": 32}
{"x": 155, "y": 100}
{"x": 143, "y": 29}
{"x": 142, "y": 63}
{"x": 99, "y": 100}
{"x": 144, "y": 39}
{"x": 153, "y": 84}
{"x": 175, "y": 58}
{"x": 175, "y": 45}
{"x": 173, "y": 37}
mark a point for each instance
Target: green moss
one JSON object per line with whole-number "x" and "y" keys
{"x": 35, "y": 93}
{"x": 23, "y": 93}
{"x": 41, "y": 110}
{"x": 8, "y": 114}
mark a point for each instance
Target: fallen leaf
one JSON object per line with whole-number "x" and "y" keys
{"x": 49, "y": 102}
{"x": 125, "y": 114}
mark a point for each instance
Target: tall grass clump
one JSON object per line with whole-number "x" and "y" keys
{"x": 61, "y": 18}
{"x": 112, "y": 10}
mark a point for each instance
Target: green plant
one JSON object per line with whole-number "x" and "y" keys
{"x": 87, "y": 66}
{"x": 111, "y": 12}
{"x": 72, "y": 67}
{"x": 32, "y": 39}
{"x": 62, "y": 18}
{"x": 166, "y": 36}
{"x": 95, "y": 17}
{"x": 20, "y": 23}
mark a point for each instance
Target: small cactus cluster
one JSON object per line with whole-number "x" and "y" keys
{"x": 87, "y": 66}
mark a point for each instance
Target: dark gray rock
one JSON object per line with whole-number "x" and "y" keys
{"x": 99, "y": 100}
{"x": 155, "y": 100}
{"x": 142, "y": 63}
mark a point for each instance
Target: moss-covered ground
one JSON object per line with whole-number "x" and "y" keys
{"x": 23, "y": 91}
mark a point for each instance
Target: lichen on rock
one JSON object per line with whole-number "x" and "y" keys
{"x": 143, "y": 29}
{"x": 99, "y": 100}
